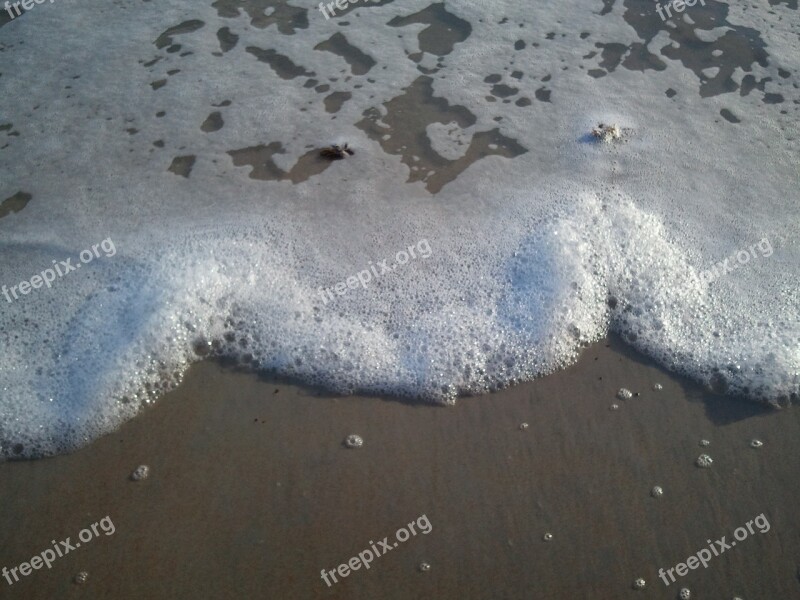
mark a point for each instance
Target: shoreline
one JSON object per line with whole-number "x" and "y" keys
{"x": 251, "y": 492}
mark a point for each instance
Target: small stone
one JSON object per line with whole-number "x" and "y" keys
{"x": 353, "y": 441}
{"x": 657, "y": 492}
{"x": 81, "y": 577}
{"x": 684, "y": 594}
{"x": 704, "y": 461}
{"x": 756, "y": 443}
{"x": 657, "y": 387}
{"x": 614, "y": 406}
{"x": 523, "y": 426}
{"x": 141, "y": 472}
{"x": 705, "y": 443}
{"x": 639, "y": 584}
{"x": 547, "y": 537}
{"x": 624, "y": 394}
{"x": 424, "y": 567}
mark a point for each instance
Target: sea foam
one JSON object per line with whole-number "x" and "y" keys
{"x": 541, "y": 240}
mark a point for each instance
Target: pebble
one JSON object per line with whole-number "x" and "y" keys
{"x": 547, "y": 537}
{"x": 639, "y": 584}
{"x": 624, "y": 394}
{"x": 141, "y": 472}
{"x": 704, "y": 461}
{"x": 81, "y": 577}
{"x": 657, "y": 492}
{"x": 756, "y": 443}
{"x": 353, "y": 441}
{"x": 685, "y": 594}
{"x": 424, "y": 567}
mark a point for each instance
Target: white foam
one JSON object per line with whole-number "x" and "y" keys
{"x": 525, "y": 252}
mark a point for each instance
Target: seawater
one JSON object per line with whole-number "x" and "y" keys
{"x": 189, "y": 133}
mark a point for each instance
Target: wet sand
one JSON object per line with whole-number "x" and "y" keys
{"x": 251, "y": 493}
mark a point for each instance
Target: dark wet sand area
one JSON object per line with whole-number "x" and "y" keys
{"x": 251, "y": 493}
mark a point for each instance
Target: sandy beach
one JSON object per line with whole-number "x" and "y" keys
{"x": 252, "y": 493}
{"x": 412, "y": 198}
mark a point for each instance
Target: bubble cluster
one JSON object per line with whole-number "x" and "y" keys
{"x": 704, "y": 461}
{"x": 657, "y": 492}
{"x": 624, "y": 394}
{"x": 81, "y": 578}
{"x": 141, "y": 472}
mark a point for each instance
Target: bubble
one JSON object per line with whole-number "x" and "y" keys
{"x": 81, "y": 577}
{"x": 353, "y": 441}
{"x": 754, "y": 443}
{"x": 140, "y": 472}
{"x": 624, "y": 394}
{"x": 424, "y": 567}
{"x": 547, "y": 537}
{"x": 639, "y": 584}
{"x": 704, "y": 461}
{"x": 657, "y": 492}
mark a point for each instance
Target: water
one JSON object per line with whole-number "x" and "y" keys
{"x": 189, "y": 134}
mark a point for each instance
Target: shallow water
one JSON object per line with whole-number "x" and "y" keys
{"x": 188, "y": 135}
